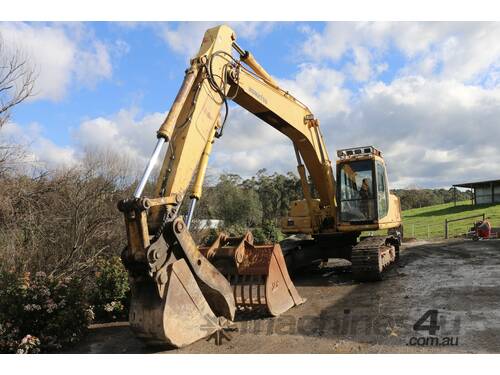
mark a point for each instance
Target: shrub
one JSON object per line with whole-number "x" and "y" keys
{"x": 110, "y": 295}
{"x": 268, "y": 233}
{"x": 40, "y": 313}
{"x": 236, "y": 230}
{"x": 259, "y": 237}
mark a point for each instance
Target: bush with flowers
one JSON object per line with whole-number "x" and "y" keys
{"x": 110, "y": 292}
{"x": 41, "y": 314}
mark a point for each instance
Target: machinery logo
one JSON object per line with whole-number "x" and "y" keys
{"x": 436, "y": 333}
{"x": 257, "y": 95}
{"x": 439, "y": 329}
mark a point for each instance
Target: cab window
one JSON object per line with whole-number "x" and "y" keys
{"x": 382, "y": 191}
{"x": 357, "y": 191}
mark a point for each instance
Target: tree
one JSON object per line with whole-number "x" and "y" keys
{"x": 17, "y": 80}
{"x": 416, "y": 198}
{"x": 11, "y": 155}
{"x": 61, "y": 221}
{"x": 16, "y": 84}
{"x": 235, "y": 204}
{"x": 275, "y": 192}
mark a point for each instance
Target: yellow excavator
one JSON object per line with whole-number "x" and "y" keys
{"x": 181, "y": 292}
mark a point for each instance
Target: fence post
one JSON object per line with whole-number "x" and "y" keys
{"x": 413, "y": 230}
{"x": 448, "y": 221}
{"x": 428, "y": 232}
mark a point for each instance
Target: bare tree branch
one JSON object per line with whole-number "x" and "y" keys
{"x": 17, "y": 79}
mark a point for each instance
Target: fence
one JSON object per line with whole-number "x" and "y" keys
{"x": 423, "y": 231}
{"x": 446, "y": 228}
{"x": 448, "y": 221}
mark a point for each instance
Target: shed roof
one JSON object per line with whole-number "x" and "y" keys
{"x": 477, "y": 184}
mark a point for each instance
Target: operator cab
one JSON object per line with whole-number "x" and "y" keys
{"x": 362, "y": 191}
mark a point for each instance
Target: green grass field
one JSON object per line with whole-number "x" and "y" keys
{"x": 428, "y": 222}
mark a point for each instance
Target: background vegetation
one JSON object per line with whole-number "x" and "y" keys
{"x": 417, "y": 198}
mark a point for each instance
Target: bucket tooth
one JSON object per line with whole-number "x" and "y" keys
{"x": 257, "y": 274}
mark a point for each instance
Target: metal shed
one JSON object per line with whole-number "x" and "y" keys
{"x": 483, "y": 192}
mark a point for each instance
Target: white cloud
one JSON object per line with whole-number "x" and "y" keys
{"x": 48, "y": 153}
{"x": 92, "y": 66}
{"x": 361, "y": 69}
{"x": 122, "y": 133}
{"x": 120, "y": 47}
{"x": 249, "y": 144}
{"x": 40, "y": 151}
{"x": 185, "y": 39}
{"x": 449, "y": 50}
{"x": 339, "y": 38}
{"x": 59, "y": 53}
{"x": 320, "y": 89}
{"x": 251, "y": 30}
{"x": 433, "y": 133}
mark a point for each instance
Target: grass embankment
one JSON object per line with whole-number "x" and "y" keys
{"x": 428, "y": 222}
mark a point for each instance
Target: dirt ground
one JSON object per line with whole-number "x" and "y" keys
{"x": 460, "y": 279}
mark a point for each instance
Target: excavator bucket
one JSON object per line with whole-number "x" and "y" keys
{"x": 179, "y": 317}
{"x": 181, "y": 298}
{"x": 257, "y": 274}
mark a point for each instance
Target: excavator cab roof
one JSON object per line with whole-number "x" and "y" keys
{"x": 364, "y": 152}
{"x": 348, "y": 153}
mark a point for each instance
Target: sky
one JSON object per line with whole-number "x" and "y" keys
{"x": 426, "y": 94}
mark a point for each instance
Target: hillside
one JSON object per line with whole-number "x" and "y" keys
{"x": 428, "y": 222}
